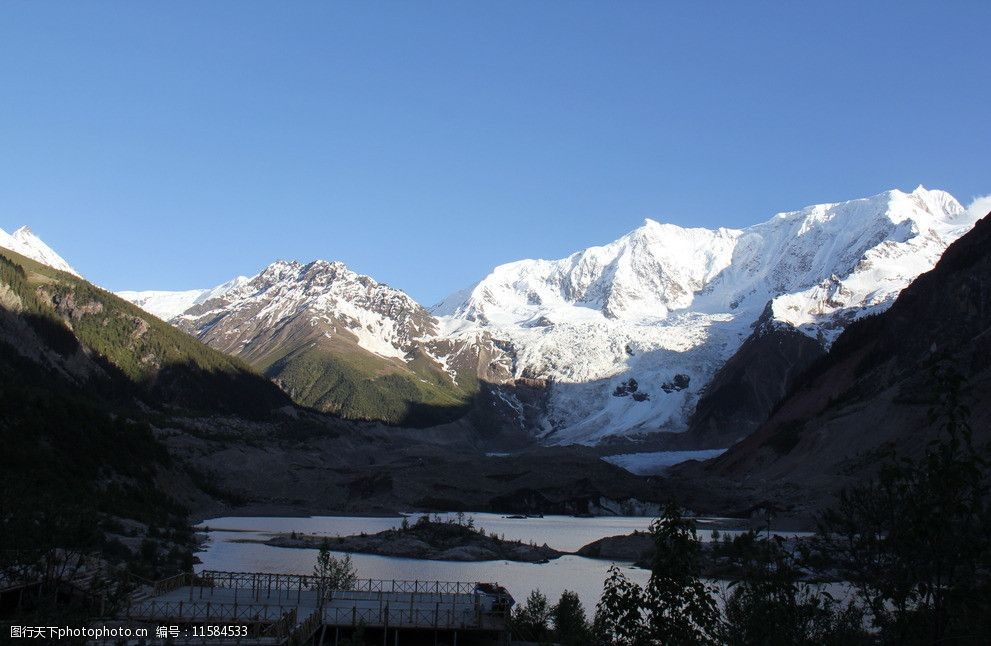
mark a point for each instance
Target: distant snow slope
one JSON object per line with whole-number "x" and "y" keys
{"x": 164, "y": 305}
{"x": 168, "y": 305}
{"x": 666, "y": 306}
{"x": 26, "y": 243}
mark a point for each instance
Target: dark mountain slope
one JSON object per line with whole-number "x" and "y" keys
{"x": 111, "y": 348}
{"x": 744, "y": 391}
{"x": 84, "y": 379}
{"x": 65, "y": 456}
{"x": 874, "y": 388}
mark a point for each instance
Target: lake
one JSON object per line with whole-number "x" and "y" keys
{"x": 581, "y": 575}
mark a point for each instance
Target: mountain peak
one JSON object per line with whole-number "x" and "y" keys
{"x": 26, "y": 243}
{"x": 939, "y": 203}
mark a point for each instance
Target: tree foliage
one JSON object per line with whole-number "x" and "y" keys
{"x": 570, "y": 623}
{"x": 676, "y": 607}
{"x": 620, "y": 617}
{"x": 916, "y": 541}
{"x": 530, "y": 621}
{"x": 333, "y": 572}
{"x": 769, "y": 605}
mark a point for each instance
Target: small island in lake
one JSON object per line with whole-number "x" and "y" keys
{"x": 434, "y": 540}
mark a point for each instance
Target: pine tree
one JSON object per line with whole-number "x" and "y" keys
{"x": 682, "y": 607}
{"x": 570, "y": 624}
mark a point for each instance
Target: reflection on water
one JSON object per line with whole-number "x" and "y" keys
{"x": 565, "y": 533}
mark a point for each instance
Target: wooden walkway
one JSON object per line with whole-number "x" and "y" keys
{"x": 292, "y": 609}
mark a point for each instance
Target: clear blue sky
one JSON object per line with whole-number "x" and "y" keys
{"x": 173, "y": 145}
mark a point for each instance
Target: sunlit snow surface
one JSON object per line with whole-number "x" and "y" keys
{"x": 26, "y": 243}
{"x": 654, "y": 463}
{"x": 664, "y": 301}
{"x": 167, "y": 305}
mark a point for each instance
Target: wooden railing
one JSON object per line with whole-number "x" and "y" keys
{"x": 293, "y": 582}
{"x": 164, "y": 586}
{"x": 302, "y": 633}
{"x": 283, "y": 626}
{"x": 445, "y": 618}
{"x": 152, "y": 609}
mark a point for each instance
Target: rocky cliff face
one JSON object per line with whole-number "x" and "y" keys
{"x": 325, "y": 295}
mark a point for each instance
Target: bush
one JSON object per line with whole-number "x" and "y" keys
{"x": 334, "y": 573}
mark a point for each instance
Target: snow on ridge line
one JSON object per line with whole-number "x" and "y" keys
{"x": 168, "y": 305}
{"x": 26, "y": 243}
{"x": 381, "y": 318}
{"x": 658, "y": 267}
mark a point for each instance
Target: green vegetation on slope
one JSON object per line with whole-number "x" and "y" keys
{"x": 132, "y": 346}
{"x": 356, "y": 384}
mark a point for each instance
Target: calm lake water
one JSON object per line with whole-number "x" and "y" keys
{"x": 583, "y": 576}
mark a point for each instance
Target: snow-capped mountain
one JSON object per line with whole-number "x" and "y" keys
{"x": 240, "y": 315}
{"x": 26, "y": 243}
{"x": 645, "y": 274}
{"x": 617, "y": 340}
{"x": 332, "y": 338}
{"x": 665, "y": 306}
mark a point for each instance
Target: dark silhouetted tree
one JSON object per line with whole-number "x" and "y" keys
{"x": 531, "y": 621}
{"x": 570, "y": 624}
{"x": 916, "y": 541}
{"x": 676, "y": 607}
